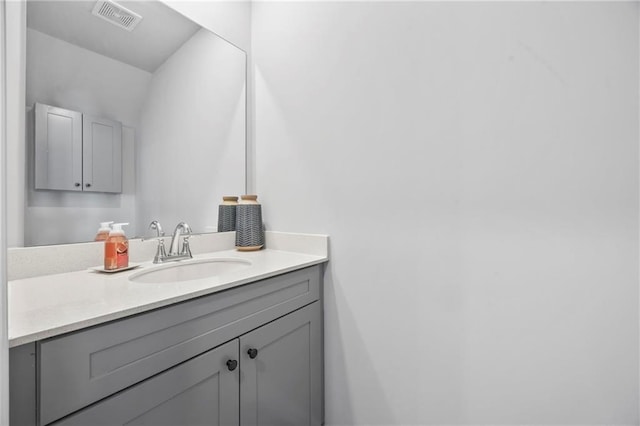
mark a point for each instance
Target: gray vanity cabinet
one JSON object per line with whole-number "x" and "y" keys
{"x": 249, "y": 355}
{"x": 201, "y": 391}
{"x": 282, "y": 371}
{"x": 278, "y": 382}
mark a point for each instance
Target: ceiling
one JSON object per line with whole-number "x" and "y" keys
{"x": 160, "y": 33}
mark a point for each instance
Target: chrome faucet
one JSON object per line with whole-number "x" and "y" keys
{"x": 160, "y": 251}
{"x": 185, "y": 252}
{"x": 183, "y": 229}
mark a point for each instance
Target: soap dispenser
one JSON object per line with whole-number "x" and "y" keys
{"x": 116, "y": 249}
{"x": 103, "y": 231}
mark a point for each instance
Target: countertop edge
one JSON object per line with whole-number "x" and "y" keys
{"x": 75, "y": 326}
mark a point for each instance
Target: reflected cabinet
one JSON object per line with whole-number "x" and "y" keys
{"x": 76, "y": 152}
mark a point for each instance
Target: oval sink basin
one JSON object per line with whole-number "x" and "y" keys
{"x": 189, "y": 270}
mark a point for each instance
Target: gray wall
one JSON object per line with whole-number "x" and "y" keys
{"x": 476, "y": 165}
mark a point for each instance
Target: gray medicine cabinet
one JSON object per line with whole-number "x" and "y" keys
{"x": 76, "y": 152}
{"x": 250, "y": 355}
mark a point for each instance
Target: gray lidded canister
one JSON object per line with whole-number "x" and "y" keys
{"x": 227, "y": 214}
{"x": 249, "y": 230}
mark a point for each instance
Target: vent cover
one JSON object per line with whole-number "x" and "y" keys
{"x": 112, "y": 12}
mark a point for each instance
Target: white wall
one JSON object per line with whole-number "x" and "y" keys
{"x": 192, "y": 131}
{"x": 476, "y": 165}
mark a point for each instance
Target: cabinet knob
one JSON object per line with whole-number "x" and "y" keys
{"x": 252, "y": 353}
{"x": 232, "y": 364}
{"x": 88, "y": 185}
{"x": 77, "y": 184}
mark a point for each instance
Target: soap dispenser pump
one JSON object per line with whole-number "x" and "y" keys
{"x": 116, "y": 249}
{"x": 103, "y": 231}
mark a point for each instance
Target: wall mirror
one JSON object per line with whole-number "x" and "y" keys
{"x": 179, "y": 91}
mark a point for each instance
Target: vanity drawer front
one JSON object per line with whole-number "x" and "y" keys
{"x": 83, "y": 367}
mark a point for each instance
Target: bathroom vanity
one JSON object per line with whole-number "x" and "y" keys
{"x": 240, "y": 348}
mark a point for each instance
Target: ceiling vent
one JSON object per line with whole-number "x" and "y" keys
{"x": 112, "y": 12}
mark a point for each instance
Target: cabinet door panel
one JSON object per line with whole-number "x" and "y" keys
{"x": 202, "y": 391}
{"x": 102, "y": 154}
{"x": 58, "y": 148}
{"x": 282, "y": 384}
{"x": 22, "y": 385}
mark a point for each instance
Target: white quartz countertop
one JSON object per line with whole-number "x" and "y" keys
{"x": 49, "y": 305}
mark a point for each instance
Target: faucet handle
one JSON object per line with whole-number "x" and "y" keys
{"x": 161, "y": 253}
{"x": 156, "y": 225}
{"x": 186, "y": 250}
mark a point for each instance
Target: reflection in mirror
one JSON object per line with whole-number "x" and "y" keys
{"x": 177, "y": 89}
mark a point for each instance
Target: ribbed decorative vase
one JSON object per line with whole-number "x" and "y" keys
{"x": 227, "y": 214}
{"x": 249, "y": 232}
